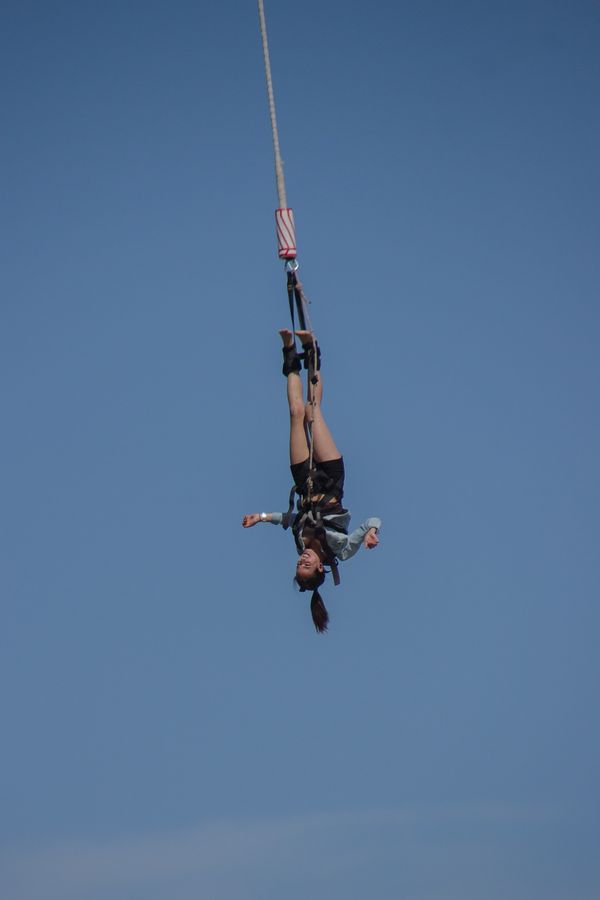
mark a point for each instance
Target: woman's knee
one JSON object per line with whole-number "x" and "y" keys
{"x": 296, "y": 409}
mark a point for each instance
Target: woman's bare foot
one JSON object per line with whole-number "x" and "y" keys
{"x": 306, "y": 337}
{"x": 287, "y": 337}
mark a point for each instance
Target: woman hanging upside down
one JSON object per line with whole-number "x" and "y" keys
{"x": 320, "y": 523}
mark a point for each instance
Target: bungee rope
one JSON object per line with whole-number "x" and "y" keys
{"x": 286, "y": 241}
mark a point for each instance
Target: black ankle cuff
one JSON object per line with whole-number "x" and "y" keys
{"x": 309, "y": 356}
{"x": 291, "y": 361}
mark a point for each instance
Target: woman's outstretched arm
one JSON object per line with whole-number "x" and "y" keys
{"x": 365, "y": 534}
{"x": 275, "y": 518}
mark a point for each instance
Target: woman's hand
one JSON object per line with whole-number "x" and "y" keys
{"x": 252, "y": 519}
{"x": 371, "y": 540}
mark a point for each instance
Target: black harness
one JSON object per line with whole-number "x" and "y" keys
{"x": 310, "y": 514}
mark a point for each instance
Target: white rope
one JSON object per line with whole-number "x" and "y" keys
{"x": 278, "y": 161}
{"x": 279, "y": 178}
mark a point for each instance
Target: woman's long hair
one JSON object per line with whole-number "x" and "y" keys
{"x": 318, "y": 611}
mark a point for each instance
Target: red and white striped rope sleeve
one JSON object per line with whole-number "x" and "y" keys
{"x": 286, "y": 233}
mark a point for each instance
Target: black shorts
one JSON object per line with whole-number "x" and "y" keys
{"x": 329, "y": 477}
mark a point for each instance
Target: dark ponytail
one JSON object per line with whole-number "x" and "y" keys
{"x": 319, "y": 613}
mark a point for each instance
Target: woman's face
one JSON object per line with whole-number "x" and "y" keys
{"x": 308, "y": 565}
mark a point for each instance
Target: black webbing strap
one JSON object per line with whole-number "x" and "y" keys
{"x": 291, "y": 281}
{"x": 299, "y": 305}
{"x": 295, "y": 300}
{"x": 288, "y": 517}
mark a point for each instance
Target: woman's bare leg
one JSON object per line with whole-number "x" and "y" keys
{"x": 298, "y": 443}
{"x": 324, "y": 446}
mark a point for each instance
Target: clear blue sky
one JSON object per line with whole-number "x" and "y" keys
{"x": 172, "y": 726}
